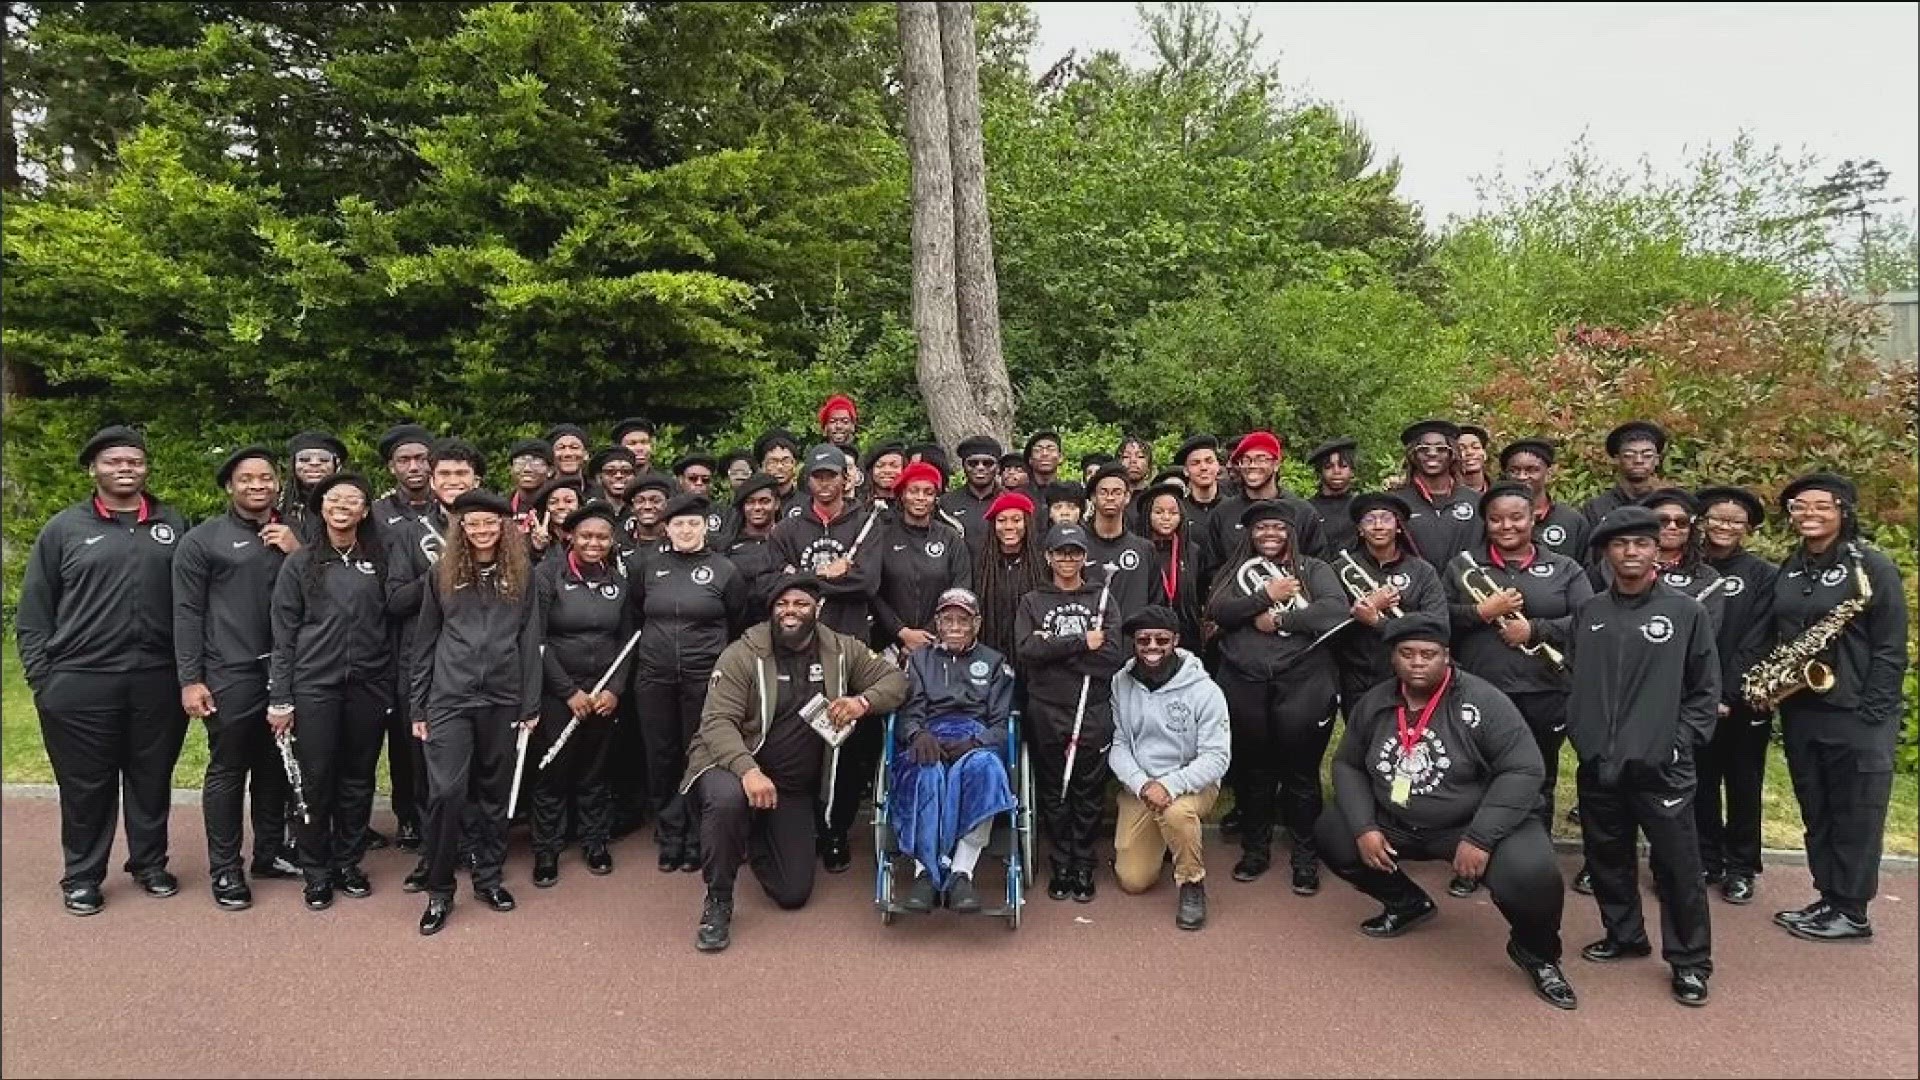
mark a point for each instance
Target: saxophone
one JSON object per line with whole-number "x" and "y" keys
{"x": 1795, "y": 665}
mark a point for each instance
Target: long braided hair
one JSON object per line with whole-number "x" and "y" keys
{"x": 1000, "y": 582}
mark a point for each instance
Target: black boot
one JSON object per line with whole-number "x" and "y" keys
{"x": 1305, "y": 861}
{"x": 716, "y": 924}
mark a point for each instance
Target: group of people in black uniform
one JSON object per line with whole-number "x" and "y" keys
{"x": 624, "y": 642}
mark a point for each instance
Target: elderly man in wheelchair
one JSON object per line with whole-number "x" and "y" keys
{"x": 948, "y": 774}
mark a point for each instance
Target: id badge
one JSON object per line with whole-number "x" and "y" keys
{"x": 1402, "y": 790}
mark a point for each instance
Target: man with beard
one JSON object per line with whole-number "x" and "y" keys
{"x": 1333, "y": 462}
{"x": 1257, "y": 456}
{"x": 569, "y": 442}
{"x": 1445, "y": 519}
{"x": 1199, "y": 462}
{"x": 1636, "y": 448}
{"x": 1557, "y": 527}
{"x": 1437, "y": 764}
{"x": 980, "y": 458}
{"x": 1170, "y": 750}
{"x": 1736, "y": 759}
{"x": 1646, "y": 690}
{"x": 779, "y": 455}
{"x": 757, "y": 766}
{"x": 223, "y": 580}
{"x": 531, "y": 464}
{"x": 313, "y": 456}
{"x": 636, "y": 435}
{"x": 820, "y": 543}
{"x": 611, "y": 472}
{"x": 920, "y": 557}
{"x": 1111, "y": 544}
{"x": 413, "y": 548}
{"x": 95, "y": 626}
{"x": 840, "y": 422}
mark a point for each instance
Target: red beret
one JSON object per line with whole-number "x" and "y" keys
{"x": 1259, "y": 440}
{"x": 1009, "y": 500}
{"x": 919, "y": 470}
{"x": 835, "y": 403}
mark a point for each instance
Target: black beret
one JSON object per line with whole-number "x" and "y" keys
{"x": 1636, "y": 429}
{"x": 596, "y": 509}
{"x": 483, "y": 500}
{"x": 883, "y": 450}
{"x": 1629, "y": 520}
{"x": 1365, "y": 503}
{"x": 1151, "y": 617}
{"x": 1013, "y": 461}
{"x": 1039, "y": 436}
{"x": 975, "y": 445}
{"x": 1502, "y": 490}
{"x": 561, "y": 431}
{"x": 1428, "y": 427}
{"x": 539, "y": 448}
{"x": 400, "y": 435}
{"x": 1756, "y": 510}
{"x": 1478, "y": 432}
{"x": 1539, "y": 448}
{"x": 225, "y": 472}
{"x": 1328, "y": 449}
{"x": 316, "y": 440}
{"x": 319, "y": 492}
{"x": 686, "y": 504}
{"x": 1198, "y": 442}
{"x": 775, "y": 437}
{"x": 653, "y": 481}
{"x": 688, "y": 461}
{"x": 1171, "y": 487}
{"x": 787, "y": 583}
{"x": 612, "y": 453}
{"x": 754, "y": 484}
{"x": 459, "y": 450}
{"x": 1671, "y": 495}
{"x": 933, "y": 454}
{"x": 547, "y": 489}
{"x": 1832, "y": 483}
{"x": 1067, "y": 491}
{"x": 1264, "y": 510}
{"x": 1112, "y": 470}
{"x": 1415, "y": 626}
{"x": 631, "y": 424}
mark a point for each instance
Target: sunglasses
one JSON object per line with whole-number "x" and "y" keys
{"x": 1151, "y": 639}
{"x": 982, "y": 462}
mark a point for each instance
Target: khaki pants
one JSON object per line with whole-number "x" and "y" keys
{"x": 1142, "y": 838}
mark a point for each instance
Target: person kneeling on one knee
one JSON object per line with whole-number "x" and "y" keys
{"x": 757, "y": 765}
{"x": 949, "y": 779}
{"x": 1170, "y": 748}
{"x": 1438, "y": 764}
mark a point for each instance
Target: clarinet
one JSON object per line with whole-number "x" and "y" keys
{"x": 292, "y": 765}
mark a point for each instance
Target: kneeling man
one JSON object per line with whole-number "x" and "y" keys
{"x": 949, "y": 775}
{"x": 757, "y": 766}
{"x": 1437, "y": 764}
{"x": 1170, "y": 748}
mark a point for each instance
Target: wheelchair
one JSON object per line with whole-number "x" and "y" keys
{"x": 1011, "y": 840}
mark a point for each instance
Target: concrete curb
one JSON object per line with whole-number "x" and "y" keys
{"x": 191, "y": 797}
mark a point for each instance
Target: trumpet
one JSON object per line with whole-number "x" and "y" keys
{"x": 1359, "y": 582}
{"x": 1480, "y": 585}
{"x": 1253, "y": 576}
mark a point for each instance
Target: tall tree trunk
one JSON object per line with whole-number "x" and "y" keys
{"x": 942, "y": 373}
{"x": 976, "y": 287}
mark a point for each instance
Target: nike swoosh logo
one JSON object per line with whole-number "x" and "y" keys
{"x": 899, "y": 547}
{"x": 241, "y": 543}
{"x": 1560, "y": 727}
{"x": 1671, "y": 803}
{"x": 1793, "y": 573}
{"x": 92, "y": 540}
{"x": 1325, "y": 722}
{"x": 572, "y": 585}
{"x": 396, "y": 520}
{"x": 462, "y": 585}
{"x": 1597, "y": 626}
{"x": 661, "y": 573}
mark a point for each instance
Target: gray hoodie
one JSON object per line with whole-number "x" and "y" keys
{"x": 1177, "y": 734}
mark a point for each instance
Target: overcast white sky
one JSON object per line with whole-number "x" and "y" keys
{"x": 1459, "y": 90}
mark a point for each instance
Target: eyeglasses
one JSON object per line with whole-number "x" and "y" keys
{"x": 699, "y": 478}
{"x": 314, "y": 457}
{"x": 1674, "y": 521}
{"x": 1639, "y": 455}
{"x": 617, "y": 470}
{"x": 1799, "y": 507}
{"x": 1150, "y": 639}
{"x": 1432, "y": 449}
{"x": 527, "y": 461}
{"x": 1379, "y": 517}
{"x": 1256, "y": 460}
{"x": 1724, "y": 523}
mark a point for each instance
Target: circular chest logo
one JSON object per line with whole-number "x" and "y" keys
{"x": 1658, "y": 629}
{"x": 162, "y": 533}
{"x": 713, "y": 523}
{"x": 703, "y": 575}
{"x": 1424, "y": 767}
{"x": 431, "y": 546}
{"x": 1470, "y": 714}
{"x": 1462, "y": 511}
{"x": 1554, "y": 534}
{"x": 610, "y": 590}
{"x": 1677, "y": 580}
{"x": 935, "y": 549}
{"x": 1066, "y": 620}
{"x": 1541, "y": 569}
{"x": 814, "y": 674}
{"x": 1399, "y": 580}
{"x": 1733, "y": 586}
{"x": 793, "y": 511}
{"x": 1179, "y": 715}
{"x": 978, "y": 669}
{"x": 1831, "y": 576}
{"x": 364, "y": 567}
{"x": 1129, "y": 560}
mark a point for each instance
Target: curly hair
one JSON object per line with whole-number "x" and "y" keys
{"x": 512, "y": 564}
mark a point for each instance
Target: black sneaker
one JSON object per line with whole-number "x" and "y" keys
{"x": 1549, "y": 982}
{"x": 961, "y": 898}
{"x": 1713, "y": 877}
{"x": 1690, "y": 986}
{"x": 497, "y": 898}
{"x": 1462, "y": 887}
{"x": 157, "y": 882}
{"x": 407, "y": 838}
{"x": 600, "y": 861}
{"x": 1192, "y": 912}
{"x": 1583, "y": 882}
{"x": 434, "y": 919}
{"x": 835, "y": 856}
{"x": 318, "y": 895}
{"x": 1060, "y": 885}
{"x": 353, "y": 881}
{"x": 279, "y": 866}
{"x": 716, "y": 925}
{"x": 1738, "y": 889}
{"x": 231, "y": 893}
{"x": 919, "y": 898}
{"x": 1083, "y": 885}
{"x": 546, "y": 870}
{"x": 83, "y": 899}
{"x": 1391, "y": 922}
{"x": 669, "y": 859}
{"x": 1252, "y": 865}
{"x": 1834, "y": 925}
{"x": 417, "y": 880}
{"x": 1817, "y": 909}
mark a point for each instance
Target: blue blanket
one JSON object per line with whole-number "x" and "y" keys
{"x": 934, "y": 805}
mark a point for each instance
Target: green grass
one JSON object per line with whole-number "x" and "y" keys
{"x": 25, "y": 761}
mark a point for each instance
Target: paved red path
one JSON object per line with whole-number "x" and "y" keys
{"x": 599, "y": 977}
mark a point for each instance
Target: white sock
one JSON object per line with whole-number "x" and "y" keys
{"x": 966, "y": 853}
{"x": 919, "y": 869}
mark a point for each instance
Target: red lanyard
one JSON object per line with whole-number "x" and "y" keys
{"x": 1494, "y": 556}
{"x": 1170, "y": 576}
{"x": 1411, "y": 739}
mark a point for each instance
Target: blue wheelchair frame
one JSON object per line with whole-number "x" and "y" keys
{"x": 1012, "y": 839}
